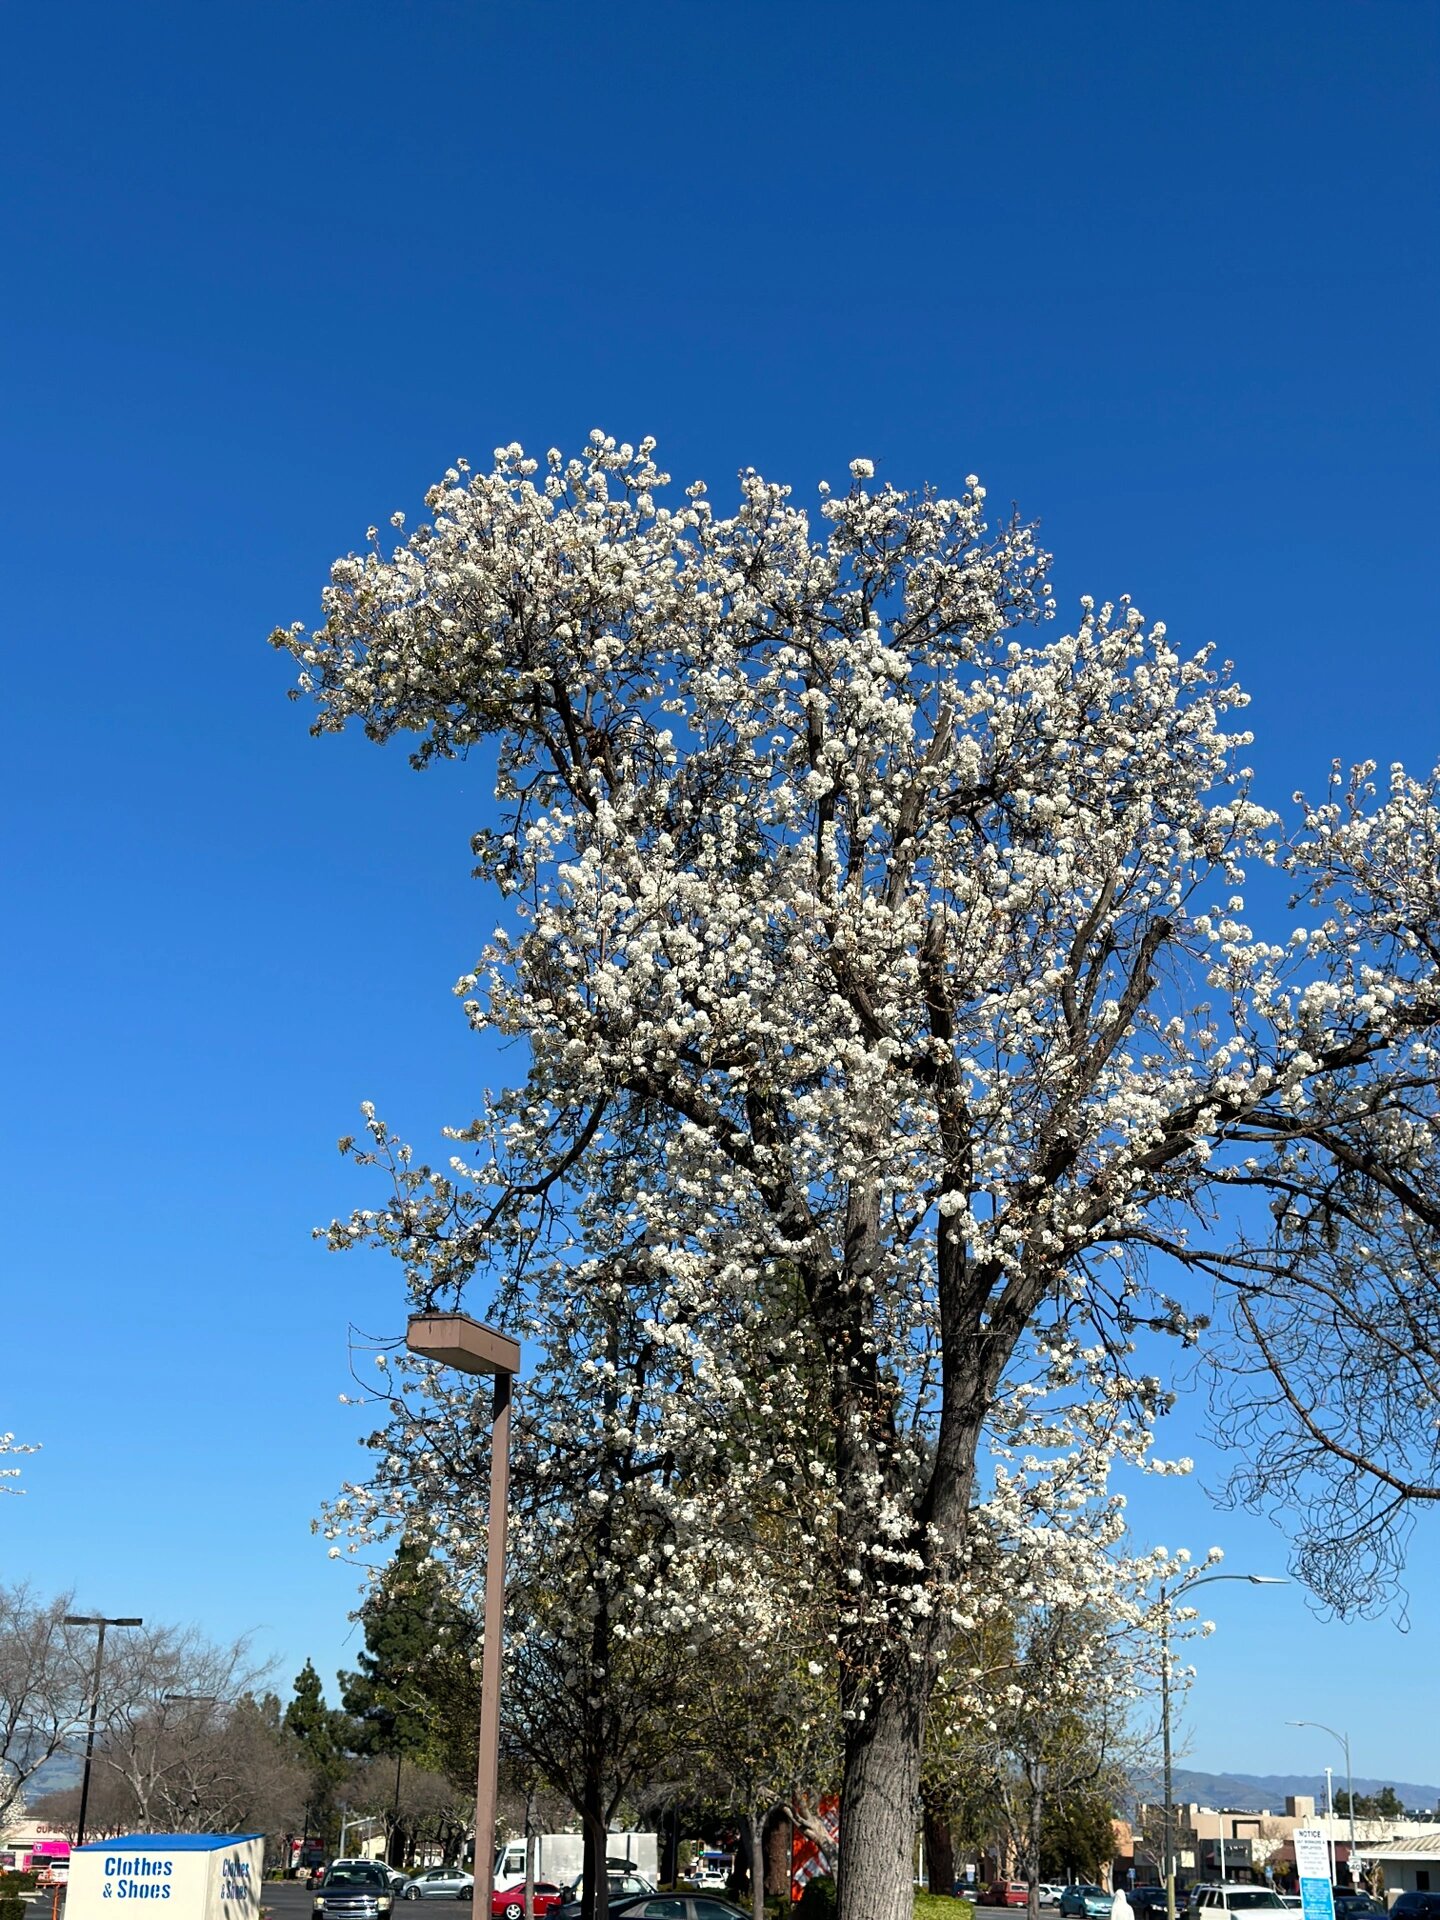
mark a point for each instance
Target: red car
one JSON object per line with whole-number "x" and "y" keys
{"x": 1008, "y": 1893}
{"x": 508, "y": 1903}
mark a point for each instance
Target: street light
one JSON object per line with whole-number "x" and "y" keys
{"x": 102, "y": 1621}
{"x": 455, "y": 1340}
{"x": 1255, "y": 1580}
{"x": 360, "y": 1820}
{"x": 1344, "y": 1740}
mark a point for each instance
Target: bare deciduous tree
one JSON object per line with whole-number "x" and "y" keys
{"x": 43, "y": 1687}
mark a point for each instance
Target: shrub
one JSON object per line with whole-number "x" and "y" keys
{"x": 817, "y": 1902}
{"x": 12, "y": 1907}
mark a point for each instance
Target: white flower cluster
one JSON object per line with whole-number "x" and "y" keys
{"x": 9, "y": 1444}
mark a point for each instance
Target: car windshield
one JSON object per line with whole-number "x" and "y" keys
{"x": 355, "y": 1877}
{"x": 1245, "y": 1899}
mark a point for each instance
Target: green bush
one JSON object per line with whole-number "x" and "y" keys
{"x": 12, "y": 1907}
{"x": 942, "y": 1906}
{"x": 817, "y": 1902}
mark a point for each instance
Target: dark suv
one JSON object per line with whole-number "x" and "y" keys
{"x": 354, "y": 1890}
{"x": 1416, "y": 1906}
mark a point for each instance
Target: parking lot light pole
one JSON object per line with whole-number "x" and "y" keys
{"x": 100, "y": 1621}
{"x": 1167, "y": 1600}
{"x": 455, "y": 1340}
{"x": 1344, "y": 1740}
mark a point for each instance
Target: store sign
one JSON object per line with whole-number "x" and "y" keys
{"x": 1312, "y": 1863}
{"x": 184, "y": 1876}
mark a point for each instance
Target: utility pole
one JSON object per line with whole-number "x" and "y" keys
{"x": 455, "y": 1340}
{"x": 1167, "y": 1600}
{"x": 1330, "y": 1818}
{"x": 1344, "y": 1740}
{"x": 100, "y": 1621}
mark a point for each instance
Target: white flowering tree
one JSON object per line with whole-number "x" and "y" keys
{"x": 900, "y": 939}
{"x": 1035, "y": 1696}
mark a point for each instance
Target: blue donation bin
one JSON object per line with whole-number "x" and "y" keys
{"x": 185, "y": 1876}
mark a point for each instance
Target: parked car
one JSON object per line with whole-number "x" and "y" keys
{"x": 1007, "y": 1893}
{"x": 1087, "y": 1902}
{"x": 1350, "y": 1905}
{"x": 509, "y": 1902}
{"x": 624, "y": 1887}
{"x": 1049, "y": 1892}
{"x": 1147, "y": 1900}
{"x": 442, "y": 1883}
{"x": 1217, "y": 1901}
{"x": 353, "y": 1890}
{"x": 677, "y": 1906}
{"x": 1416, "y": 1906}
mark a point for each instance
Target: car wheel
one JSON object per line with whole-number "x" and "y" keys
{"x": 412, "y": 1893}
{"x": 515, "y": 1911}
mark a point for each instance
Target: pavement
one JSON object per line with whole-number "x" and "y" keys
{"x": 288, "y": 1899}
{"x": 291, "y": 1900}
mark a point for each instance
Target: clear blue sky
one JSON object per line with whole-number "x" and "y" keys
{"x": 1165, "y": 274}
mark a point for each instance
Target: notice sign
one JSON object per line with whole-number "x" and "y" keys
{"x": 1312, "y": 1862}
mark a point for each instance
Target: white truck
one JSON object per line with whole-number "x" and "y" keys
{"x": 560, "y": 1857}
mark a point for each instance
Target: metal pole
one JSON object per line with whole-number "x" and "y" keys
{"x": 1330, "y": 1819}
{"x": 488, "y": 1770}
{"x": 90, "y": 1733}
{"x": 100, "y": 1621}
{"x": 529, "y": 1853}
{"x": 1188, "y": 1586}
{"x": 1169, "y": 1840}
{"x": 1344, "y": 1740}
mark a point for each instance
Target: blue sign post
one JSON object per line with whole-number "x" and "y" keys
{"x": 1312, "y": 1862}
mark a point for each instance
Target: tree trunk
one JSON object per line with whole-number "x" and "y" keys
{"x": 939, "y": 1848}
{"x": 595, "y": 1895}
{"x": 757, "y": 1868}
{"x": 779, "y": 1845}
{"x": 877, "y": 1800}
{"x": 1034, "y": 1813}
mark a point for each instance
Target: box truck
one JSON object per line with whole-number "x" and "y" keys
{"x": 561, "y": 1857}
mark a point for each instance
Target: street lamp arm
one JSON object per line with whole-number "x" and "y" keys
{"x": 1166, "y": 1609}
{"x": 1343, "y": 1738}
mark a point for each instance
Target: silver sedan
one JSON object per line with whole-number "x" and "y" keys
{"x": 442, "y": 1883}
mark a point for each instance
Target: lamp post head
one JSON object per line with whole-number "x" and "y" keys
{"x": 1267, "y": 1580}
{"x": 102, "y": 1620}
{"x": 455, "y": 1340}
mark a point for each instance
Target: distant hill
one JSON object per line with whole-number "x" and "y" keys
{"x": 63, "y": 1771}
{"x": 1256, "y": 1790}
